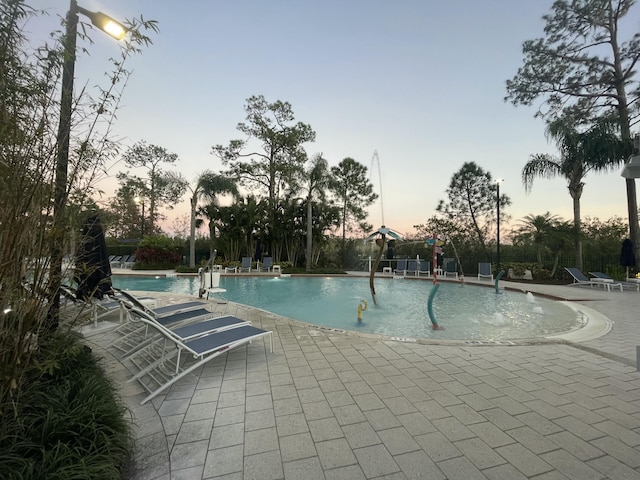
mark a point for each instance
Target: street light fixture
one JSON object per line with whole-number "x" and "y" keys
{"x": 118, "y": 31}
{"x": 498, "y": 182}
{"x": 632, "y": 167}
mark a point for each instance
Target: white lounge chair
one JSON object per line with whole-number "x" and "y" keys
{"x": 195, "y": 326}
{"x": 612, "y": 282}
{"x": 162, "y": 364}
{"x": 580, "y": 278}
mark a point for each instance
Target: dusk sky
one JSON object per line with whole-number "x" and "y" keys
{"x": 420, "y": 82}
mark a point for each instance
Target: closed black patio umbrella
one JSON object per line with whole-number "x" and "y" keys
{"x": 93, "y": 270}
{"x": 627, "y": 256}
{"x": 257, "y": 256}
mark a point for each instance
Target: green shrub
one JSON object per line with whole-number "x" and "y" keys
{"x": 186, "y": 269}
{"x": 68, "y": 421}
{"x": 540, "y": 273}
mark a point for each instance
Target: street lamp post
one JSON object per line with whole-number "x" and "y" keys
{"x": 498, "y": 224}
{"x": 118, "y": 31}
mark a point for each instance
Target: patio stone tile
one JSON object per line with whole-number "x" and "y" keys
{"x": 187, "y": 455}
{"x": 376, "y": 461}
{"x": 278, "y": 392}
{"x": 479, "y": 453}
{"x": 437, "y": 446}
{"x": 571, "y": 466}
{"x": 453, "y": 429}
{"x": 263, "y": 466}
{"x": 231, "y": 399}
{"x": 287, "y": 406}
{"x": 533, "y": 440}
{"x": 509, "y": 472}
{"x": 416, "y": 423}
{"x": 194, "y": 431}
{"x": 524, "y": 460}
{"x": 575, "y": 446}
{"x": 308, "y": 395}
{"x": 306, "y": 469}
{"x": 259, "y": 441}
{"x": 259, "y": 402}
{"x": 348, "y": 414}
{"x": 335, "y": 453}
{"x": 227, "y": 435}
{"x": 296, "y": 447}
{"x": 360, "y": 435}
{"x": 618, "y": 450}
{"x": 613, "y": 469}
{"x": 258, "y": 388}
{"x": 381, "y": 419}
{"x": 227, "y": 416}
{"x": 418, "y": 465}
{"x": 339, "y": 398}
{"x": 291, "y": 424}
{"x": 351, "y": 472}
{"x": 205, "y": 395}
{"x": 317, "y": 410}
{"x": 398, "y": 440}
{"x": 258, "y": 420}
{"x": 325, "y": 429}
{"x": 460, "y": 467}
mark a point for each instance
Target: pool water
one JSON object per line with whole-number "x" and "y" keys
{"x": 466, "y": 312}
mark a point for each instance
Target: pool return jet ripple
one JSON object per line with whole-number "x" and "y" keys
{"x": 380, "y": 236}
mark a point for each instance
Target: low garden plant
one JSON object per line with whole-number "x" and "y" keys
{"x": 68, "y": 421}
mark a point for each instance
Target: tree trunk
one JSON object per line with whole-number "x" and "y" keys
{"x": 577, "y": 231}
{"x": 625, "y": 134}
{"x": 192, "y": 239}
{"x": 309, "y": 233}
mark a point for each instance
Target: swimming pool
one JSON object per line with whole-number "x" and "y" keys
{"x": 466, "y": 312}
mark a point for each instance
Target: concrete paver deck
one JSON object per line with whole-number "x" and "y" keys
{"x": 332, "y": 405}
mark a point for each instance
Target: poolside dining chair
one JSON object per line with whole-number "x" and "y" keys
{"x": 450, "y": 267}
{"x": 425, "y": 268}
{"x": 401, "y": 267}
{"x": 412, "y": 268}
{"x": 246, "y": 265}
{"x": 267, "y": 263}
{"x": 162, "y": 364}
{"x": 484, "y": 271}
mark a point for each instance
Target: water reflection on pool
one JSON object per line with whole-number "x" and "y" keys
{"x": 466, "y": 311}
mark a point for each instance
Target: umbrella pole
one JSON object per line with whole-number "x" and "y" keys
{"x": 380, "y": 243}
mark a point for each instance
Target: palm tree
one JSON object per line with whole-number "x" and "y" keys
{"x": 536, "y": 229}
{"x": 596, "y": 149}
{"x": 559, "y": 241}
{"x": 208, "y": 186}
{"x": 317, "y": 177}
